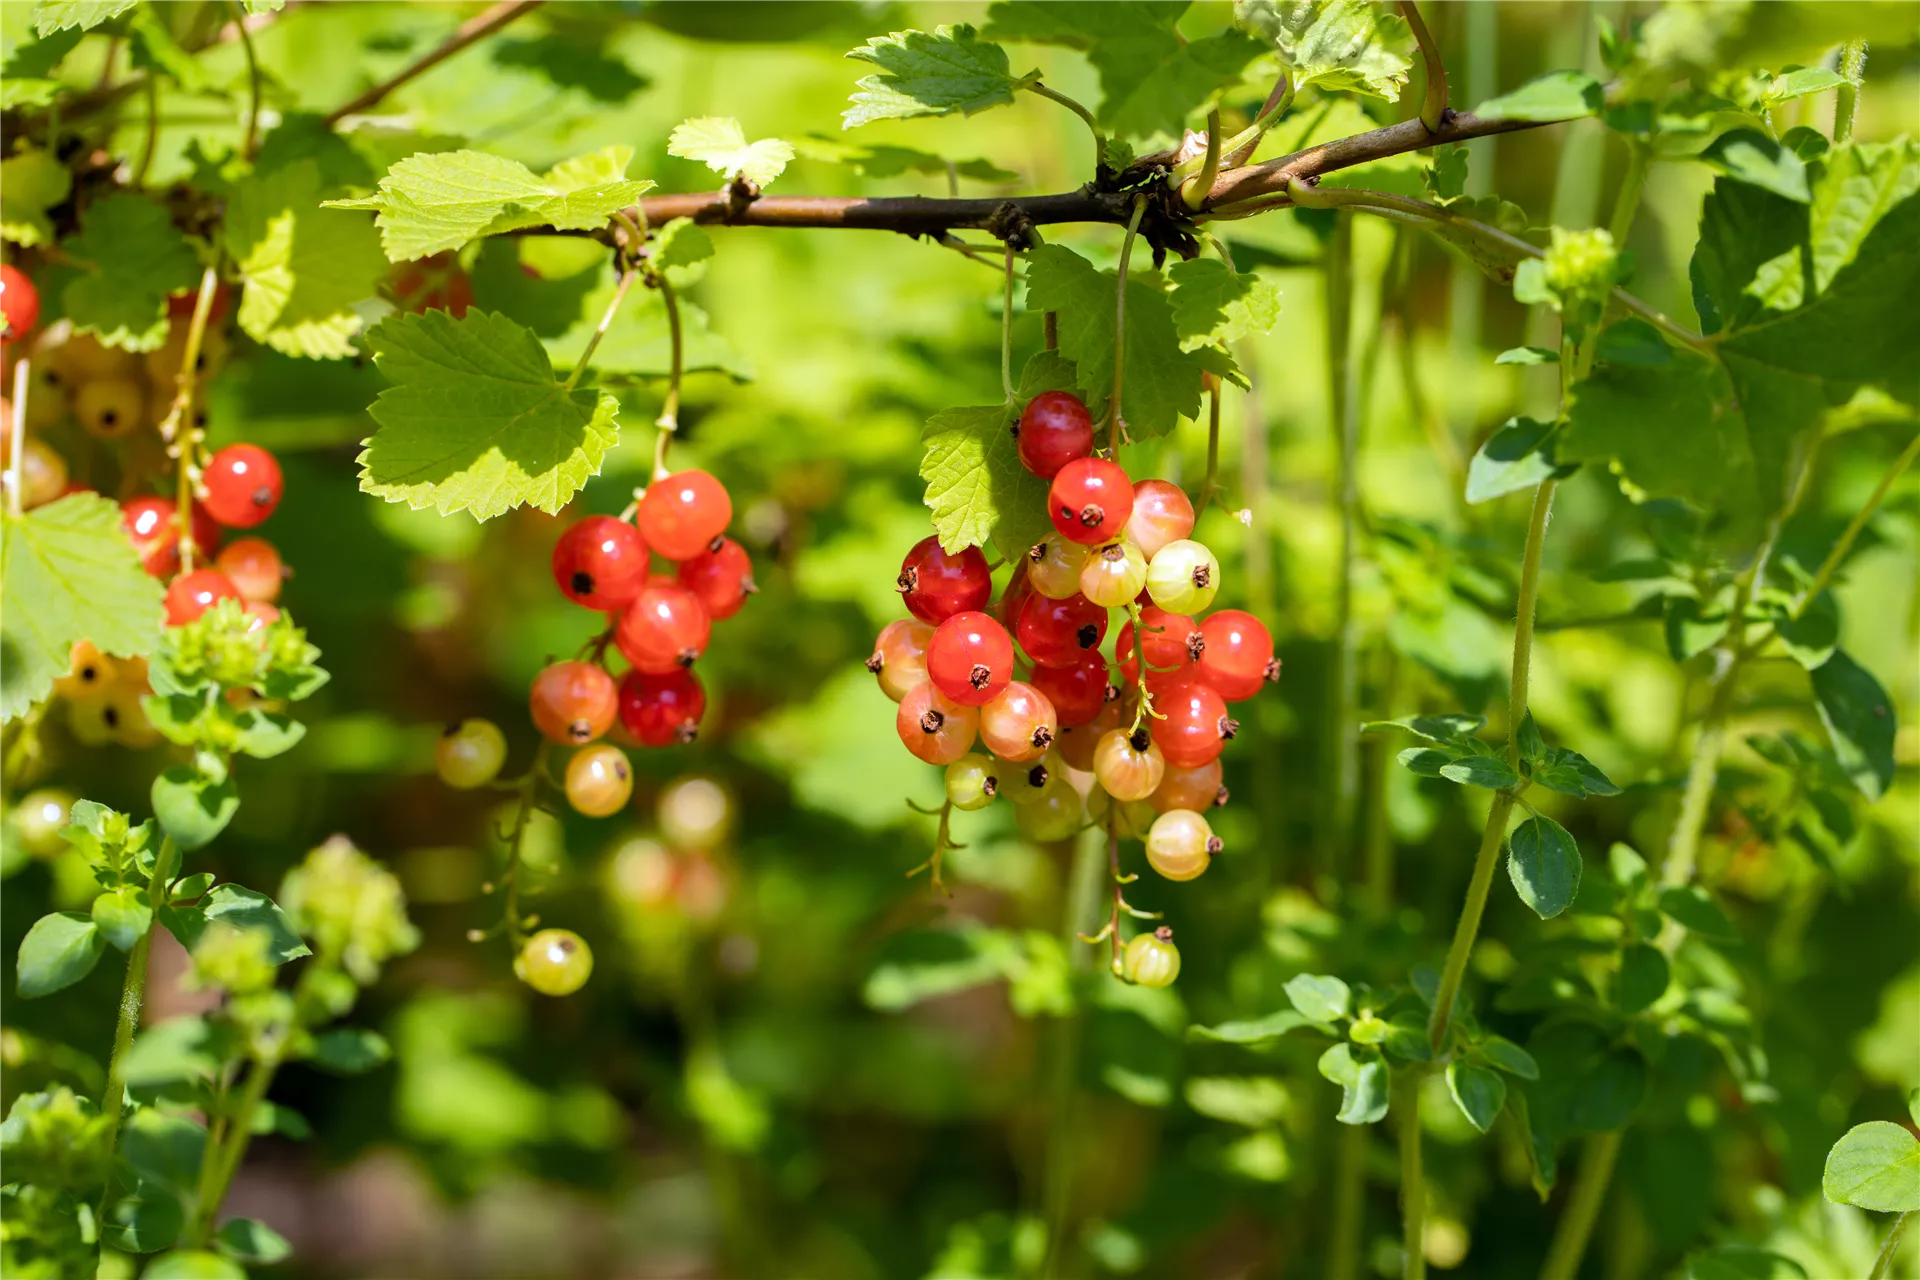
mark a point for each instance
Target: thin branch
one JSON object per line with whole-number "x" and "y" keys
{"x": 1433, "y": 108}
{"x": 1824, "y": 573}
{"x": 581, "y": 365}
{"x": 252, "y": 142}
{"x": 668, "y": 423}
{"x": 1054, "y": 95}
{"x": 478, "y": 27}
{"x": 1118, "y": 425}
{"x": 1006, "y": 329}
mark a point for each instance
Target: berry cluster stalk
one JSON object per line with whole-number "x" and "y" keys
{"x": 176, "y": 429}
{"x": 1117, "y": 427}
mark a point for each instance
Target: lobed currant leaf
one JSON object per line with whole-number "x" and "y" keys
{"x": 721, "y": 144}
{"x": 976, "y": 486}
{"x": 31, "y": 182}
{"x": 131, "y": 257}
{"x": 931, "y": 74}
{"x": 305, "y": 267}
{"x": 1213, "y": 306}
{"x": 50, "y": 16}
{"x": 430, "y": 203}
{"x": 475, "y": 419}
{"x": 1333, "y": 44}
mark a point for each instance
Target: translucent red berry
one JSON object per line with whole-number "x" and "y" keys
{"x": 900, "y": 656}
{"x": 1196, "y": 727}
{"x": 1077, "y": 691}
{"x": 601, "y": 563}
{"x": 1058, "y": 633}
{"x": 1161, "y": 514}
{"x": 664, "y": 629}
{"x": 722, "y": 576}
{"x": 684, "y": 512}
{"x": 970, "y": 658}
{"x": 192, "y": 594}
{"x": 1019, "y": 724}
{"x": 937, "y": 585}
{"x": 662, "y": 710}
{"x": 573, "y": 702}
{"x": 1195, "y": 788}
{"x": 933, "y": 726}
{"x": 1090, "y": 500}
{"x": 19, "y": 301}
{"x": 156, "y": 538}
{"x": 255, "y": 568}
{"x": 1238, "y": 657}
{"x": 1014, "y": 598}
{"x": 1055, "y": 428}
{"x": 243, "y": 485}
{"x": 1170, "y": 640}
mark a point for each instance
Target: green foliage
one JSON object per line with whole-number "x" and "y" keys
{"x": 1333, "y": 44}
{"x": 1558, "y": 95}
{"x": 31, "y": 182}
{"x": 1876, "y": 1166}
{"x": 977, "y": 489}
{"x": 305, "y": 267}
{"x": 67, "y": 574}
{"x": 130, "y": 257}
{"x": 476, "y": 420}
{"x": 721, "y": 144}
{"x": 1214, "y": 306}
{"x": 50, "y": 16}
{"x": 57, "y": 952}
{"x": 931, "y": 74}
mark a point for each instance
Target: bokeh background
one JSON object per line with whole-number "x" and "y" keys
{"x": 794, "y": 1061}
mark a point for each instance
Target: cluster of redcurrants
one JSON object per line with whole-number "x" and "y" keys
{"x": 660, "y": 622}
{"x": 1151, "y": 743}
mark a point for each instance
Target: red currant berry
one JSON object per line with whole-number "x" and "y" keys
{"x": 1019, "y": 724}
{"x": 255, "y": 568}
{"x": 1055, "y": 428}
{"x": 1196, "y": 788}
{"x": 683, "y": 513}
{"x": 664, "y": 629}
{"x": 192, "y": 594}
{"x": 600, "y": 563}
{"x": 260, "y": 615}
{"x": 900, "y": 656}
{"x": 1079, "y": 742}
{"x": 1161, "y": 514}
{"x": 1014, "y": 598}
{"x": 1172, "y": 643}
{"x": 1196, "y": 726}
{"x": 1129, "y": 766}
{"x": 573, "y": 702}
{"x": 970, "y": 658}
{"x": 1238, "y": 654}
{"x": 938, "y": 585}
{"x": 19, "y": 301}
{"x": 243, "y": 485}
{"x": 1058, "y": 633}
{"x": 156, "y": 538}
{"x": 1077, "y": 692}
{"x": 205, "y": 532}
{"x": 933, "y": 726}
{"x": 722, "y": 576}
{"x": 1090, "y": 500}
{"x": 662, "y": 710}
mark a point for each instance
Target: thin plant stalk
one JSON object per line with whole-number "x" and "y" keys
{"x": 1413, "y": 1187}
{"x": 1117, "y": 427}
{"x": 1846, "y": 98}
{"x": 1349, "y": 1205}
{"x": 1343, "y": 747}
{"x": 1883, "y": 1264}
{"x": 1583, "y": 1206}
{"x": 668, "y": 423}
{"x": 133, "y": 993}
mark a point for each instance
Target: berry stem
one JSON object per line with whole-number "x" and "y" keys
{"x": 669, "y": 420}
{"x": 1195, "y": 190}
{"x": 1117, "y": 426}
{"x": 1433, "y": 105}
{"x": 177, "y": 429}
{"x": 132, "y": 994}
{"x": 942, "y": 841}
{"x": 585, "y": 361}
{"x": 252, "y": 136}
{"x": 1099, "y": 139}
{"x": 1210, "y": 487}
{"x": 17, "y": 433}
{"x": 1113, "y": 868}
{"x": 1006, "y": 328}
{"x": 529, "y": 794}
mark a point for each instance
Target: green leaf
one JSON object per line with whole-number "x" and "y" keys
{"x": 1478, "y": 1093}
{"x": 1319, "y": 997}
{"x": 350, "y": 1051}
{"x": 1746, "y": 155}
{"x": 1518, "y": 456}
{"x": 186, "y": 1048}
{"x": 893, "y": 162}
{"x": 193, "y": 809}
{"x": 977, "y": 488}
{"x": 1333, "y": 44}
{"x": 1253, "y": 1030}
{"x": 721, "y": 144}
{"x": 123, "y": 915}
{"x": 1362, "y": 1077}
{"x": 131, "y": 257}
{"x": 572, "y": 62}
{"x": 60, "y": 949}
{"x": 476, "y": 420}
{"x": 1690, "y": 630}
{"x": 1571, "y": 773}
{"x": 68, "y": 573}
{"x": 242, "y": 908}
{"x": 1557, "y": 95}
{"x": 155, "y": 49}
{"x": 305, "y": 267}
{"x": 251, "y": 1240}
{"x": 1162, "y": 381}
{"x": 931, "y": 74}
{"x": 1428, "y": 762}
{"x": 681, "y": 243}
{"x": 149, "y": 1218}
{"x": 50, "y": 16}
{"x": 1737, "y": 1262}
{"x": 1490, "y": 772}
{"x": 1643, "y": 977}
{"x": 1875, "y": 1166}
{"x": 1509, "y": 1057}
{"x": 1214, "y": 307}
{"x": 1528, "y": 356}
{"x": 193, "y": 1264}
{"x": 1452, "y": 729}
{"x": 1859, "y": 718}
{"x": 1253, "y": 1101}
{"x": 1693, "y": 907}
{"x": 429, "y": 203}
{"x": 31, "y": 182}
{"x": 1811, "y": 638}
{"x": 1544, "y": 865}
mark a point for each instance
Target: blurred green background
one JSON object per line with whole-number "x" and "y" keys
{"x": 792, "y": 1060}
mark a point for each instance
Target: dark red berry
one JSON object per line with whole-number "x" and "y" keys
{"x": 1055, "y": 428}
{"x": 1058, "y": 633}
{"x": 192, "y": 594}
{"x": 970, "y": 658}
{"x": 936, "y": 585}
{"x": 664, "y": 629}
{"x": 662, "y": 710}
{"x": 1078, "y": 691}
{"x": 722, "y": 576}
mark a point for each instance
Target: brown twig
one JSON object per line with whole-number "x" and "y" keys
{"x": 478, "y": 27}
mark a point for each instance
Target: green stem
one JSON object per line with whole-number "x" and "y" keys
{"x": 1413, "y": 1187}
{"x": 1343, "y": 726}
{"x": 1210, "y": 487}
{"x": 152, "y": 142}
{"x": 1583, "y": 1207}
{"x": 132, "y": 994}
{"x": 1433, "y": 104}
{"x": 1349, "y": 1202}
{"x": 1824, "y": 573}
{"x": 1099, "y": 139}
{"x": 1883, "y": 1265}
{"x": 1116, "y": 429}
{"x": 1081, "y": 903}
{"x": 585, "y": 361}
{"x": 1627, "y": 202}
{"x": 1006, "y": 329}
{"x": 1194, "y": 191}
{"x": 177, "y": 429}
{"x": 1377, "y": 839}
{"x": 529, "y": 792}
{"x": 669, "y": 420}
{"x": 252, "y": 142}
{"x": 1242, "y": 142}
{"x": 1846, "y": 98}
{"x": 225, "y": 1157}
{"x": 1488, "y": 858}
